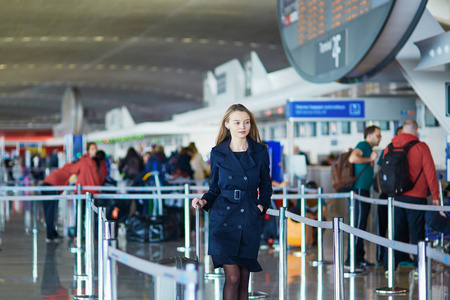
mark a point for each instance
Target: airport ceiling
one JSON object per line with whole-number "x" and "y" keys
{"x": 149, "y": 55}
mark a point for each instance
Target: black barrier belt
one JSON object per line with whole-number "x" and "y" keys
{"x": 396, "y": 245}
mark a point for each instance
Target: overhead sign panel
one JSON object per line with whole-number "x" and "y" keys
{"x": 342, "y": 109}
{"x": 345, "y": 40}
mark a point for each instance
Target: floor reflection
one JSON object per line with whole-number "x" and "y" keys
{"x": 32, "y": 269}
{"x": 51, "y": 287}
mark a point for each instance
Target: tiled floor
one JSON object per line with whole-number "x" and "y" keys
{"x": 32, "y": 269}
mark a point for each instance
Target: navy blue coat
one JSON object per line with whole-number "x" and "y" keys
{"x": 235, "y": 219}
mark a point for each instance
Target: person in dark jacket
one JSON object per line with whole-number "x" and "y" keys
{"x": 131, "y": 165}
{"x": 239, "y": 169}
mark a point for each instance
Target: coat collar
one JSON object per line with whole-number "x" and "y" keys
{"x": 231, "y": 162}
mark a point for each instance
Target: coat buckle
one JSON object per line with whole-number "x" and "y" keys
{"x": 237, "y": 194}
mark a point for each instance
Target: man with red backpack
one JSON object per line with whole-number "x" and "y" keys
{"x": 422, "y": 172}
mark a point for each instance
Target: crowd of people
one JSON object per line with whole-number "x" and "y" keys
{"x": 409, "y": 224}
{"x": 241, "y": 188}
{"x": 92, "y": 169}
{"x": 185, "y": 163}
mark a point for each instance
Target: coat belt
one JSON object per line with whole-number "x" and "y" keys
{"x": 238, "y": 194}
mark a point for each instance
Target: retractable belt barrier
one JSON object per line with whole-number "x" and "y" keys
{"x": 111, "y": 254}
{"x": 108, "y": 254}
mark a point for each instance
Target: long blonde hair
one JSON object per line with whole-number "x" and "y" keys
{"x": 224, "y": 133}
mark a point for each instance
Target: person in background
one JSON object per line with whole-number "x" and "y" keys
{"x": 90, "y": 169}
{"x": 422, "y": 171}
{"x": 52, "y": 160}
{"x": 239, "y": 168}
{"x": 90, "y": 174}
{"x": 363, "y": 158}
{"x": 200, "y": 168}
{"x": 297, "y": 151}
{"x": 183, "y": 166}
{"x": 156, "y": 161}
{"x": 382, "y": 224}
{"x": 131, "y": 165}
{"x": 329, "y": 161}
{"x": 8, "y": 162}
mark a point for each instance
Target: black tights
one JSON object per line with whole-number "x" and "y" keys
{"x": 236, "y": 283}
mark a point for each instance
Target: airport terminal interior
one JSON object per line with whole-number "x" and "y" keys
{"x": 157, "y": 77}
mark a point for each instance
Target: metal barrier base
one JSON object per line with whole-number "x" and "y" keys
{"x": 80, "y": 277}
{"x": 257, "y": 295}
{"x": 391, "y": 290}
{"x": 76, "y": 297}
{"x": 299, "y": 253}
{"x": 214, "y": 275}
{"x": 350, "y": 274}
{"x": 317, "y": 263}
{"x": 76, "y": 250}
{"x": 183, "y": 249}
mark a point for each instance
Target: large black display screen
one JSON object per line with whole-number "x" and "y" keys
{"x": 326, "y": 40}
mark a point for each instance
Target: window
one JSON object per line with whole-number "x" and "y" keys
{"x": 333, "y": 128}
{"x": 346, "y": 127}
{"x": 325, "y": 128}
{"x": 312, "y": 129}
{"x": 430, "y": 120}
{"x": 221, "y": 83}
{"x": 360, "y": 126}
{"x": 302, "y": 129}
{"x": 296, "y": 129}
{"x": 385, "y": 125}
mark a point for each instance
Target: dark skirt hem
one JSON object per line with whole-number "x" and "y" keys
{"x": 250, "y": 265}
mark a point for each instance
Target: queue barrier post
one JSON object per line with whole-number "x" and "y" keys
{"x": 187, "y": 223}
{"x": 191, "y": 289}
{"x": 216, "y": 273}
{"x": 79, "y": 218}
{"x": 282, "y": 257}
{"x": 110, "y": 276}
{"x": 441, "y": 202}
{"x": 200, "y": 291}
{"x": 390, "y": 289}
{"x": 424, "y": 288}
{"x": 285, "y": 201}
{"x": 101, "y": 258}
{"x": 352, "y": 272}
{"x": 255, "y": 294}
{"x": 79, "y": 275}
{"x": 303, "y": 225}
{"x": 319, "y": 260}
{"x": 89, "y": 245}
{"x": 338, "y": 259}
{"x": 197, "y": 231}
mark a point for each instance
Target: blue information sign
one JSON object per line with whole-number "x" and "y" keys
{"x": 349, "y": 109}
{"x": 78, "y": 147}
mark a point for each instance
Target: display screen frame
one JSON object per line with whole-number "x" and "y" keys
{"x": 367, "y": 42}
